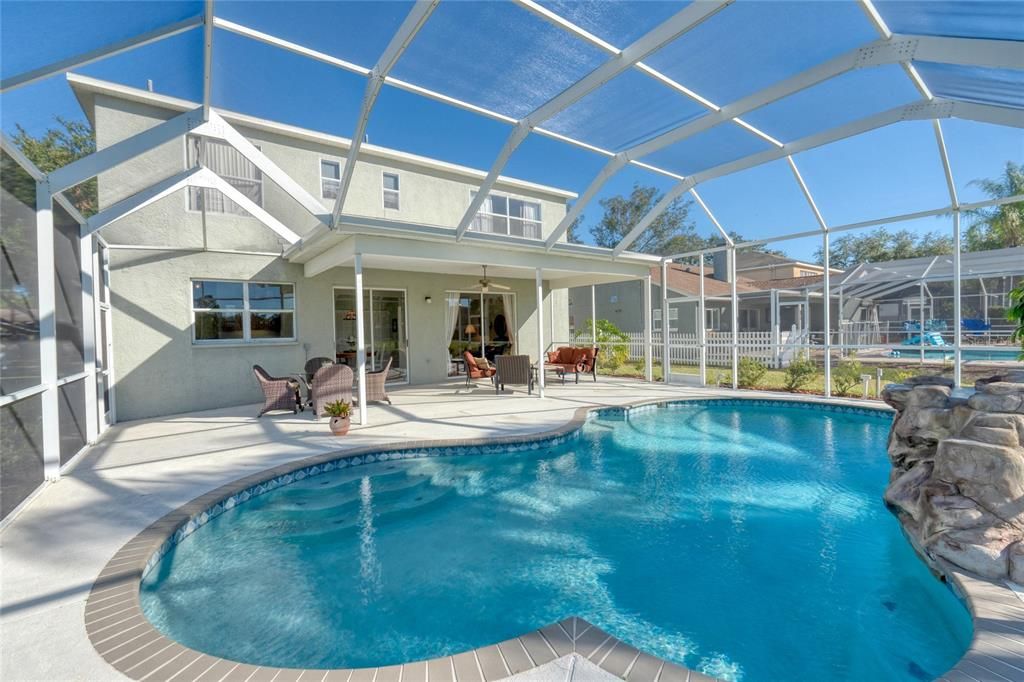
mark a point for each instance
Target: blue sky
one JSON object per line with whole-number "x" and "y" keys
{"x": 512, "y": 61}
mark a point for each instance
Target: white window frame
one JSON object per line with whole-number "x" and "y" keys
{"x": 246, "y": 311}
{"x": 320, "y": 173}
{"x": 507, "y": 215}
{"x": 713, "y": 319}
{"x": 227, "y": 178}
{"x": 384, "y": 191}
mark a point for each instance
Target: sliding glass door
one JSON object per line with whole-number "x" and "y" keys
{"x": 384, "y": 326}
{"x": 484, "y": 324}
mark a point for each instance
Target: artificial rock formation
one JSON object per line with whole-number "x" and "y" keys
{"x": 957, "y": 482}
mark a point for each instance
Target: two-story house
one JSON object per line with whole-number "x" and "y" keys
{"x": 201, "y": 289}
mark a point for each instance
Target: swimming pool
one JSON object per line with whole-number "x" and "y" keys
{"x": 969, "y": 354}
{"x": 747, "y": 540}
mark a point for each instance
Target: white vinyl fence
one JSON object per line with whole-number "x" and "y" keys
{"x": 684, "y": 349}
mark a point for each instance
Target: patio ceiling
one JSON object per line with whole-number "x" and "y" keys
{"x": 691, "y": 91}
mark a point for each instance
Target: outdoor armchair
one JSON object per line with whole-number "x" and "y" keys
{"x": 513, "y": 370}
{"x": 279, "y": 393}
{"x": 375, "y": 384}
{"x": 331, "y": 383}
{"x": 474, "y": 371}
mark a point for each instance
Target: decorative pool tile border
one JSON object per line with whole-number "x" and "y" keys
{"x": 125, "y": 638}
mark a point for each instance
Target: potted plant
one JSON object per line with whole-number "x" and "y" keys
{"x": 341, "y": 416}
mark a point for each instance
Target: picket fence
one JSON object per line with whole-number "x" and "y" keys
{"x": 684, "y": 349}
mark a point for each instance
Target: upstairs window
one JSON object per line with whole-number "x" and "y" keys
{"x": 500, "y": 214}
{"x": 226, "y": 311}
{"x": 330, "y": 179}
{"x": 391, "y": 191}
{"x": 228, "y": 163}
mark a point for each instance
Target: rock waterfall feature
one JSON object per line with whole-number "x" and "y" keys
{"x": 957, "y": 482}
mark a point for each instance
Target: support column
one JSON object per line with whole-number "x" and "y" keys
{"x": 957, "y": 312}
{"x": 648, "y": 336}
{"x": 702, "y": 328}
{"x": 839, "y": 325}
{"x": 776, "y": 337}
{"x": 540, "y": 331}
{"x": 826, "y": 293}
{"x": 360, "y": 339}
{"x": 46, "y": 273}
{"x": 92, "y": 426}
{"x": 735, "y": 315}
{"x": 921, "y": 319}
{"x": 593, "y": 315}
{"x": 666, "y": 358}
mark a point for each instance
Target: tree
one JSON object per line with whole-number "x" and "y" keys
{"x": 572, "y": 234}
{"x": 672, "y": 230}
{"x": 998, "y": 227}
{"x": 58, "y": 147}
{"x": 881, "y": 245}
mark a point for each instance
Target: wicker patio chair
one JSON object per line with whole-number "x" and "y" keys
{"x": 513, "y": 370}
{"x": 313, "y": 364}
{"x": 331, "y": 383}
{"x": 279, "y": 393}
{"x": 375, "y": 389}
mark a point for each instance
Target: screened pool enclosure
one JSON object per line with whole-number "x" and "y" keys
{"x": 824, "y": 107}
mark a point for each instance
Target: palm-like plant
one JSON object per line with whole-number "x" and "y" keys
{"x": 998, "y": 227}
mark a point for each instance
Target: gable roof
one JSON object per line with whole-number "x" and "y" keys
{"x": 685, "y": 280}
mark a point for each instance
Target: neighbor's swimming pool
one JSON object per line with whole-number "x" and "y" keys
{"x": 749, "y": 542}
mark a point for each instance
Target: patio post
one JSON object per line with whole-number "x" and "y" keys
{"x": 773, "y": 296}
{"x": 702, "y": 328}
{"x": 839, "y": 325}
{"x": 538, "y": 275}
{"x": 360, "y": 339}
{"x": 921, "y": 319}
{"x": 666, "y": 359}
{"x": 648, "y": 314}
{"x": 734, "y": 302}
{"x": 45, "y": 266}
{"x": 957, "y": 312}
{"x": 826, "y": 295}
{"x": 593, "y": 315}
{"x": 88, "y": 273}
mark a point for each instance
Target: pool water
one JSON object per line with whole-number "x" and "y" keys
{"x": 975, "y": 354}
{"x": 747, "y": 542}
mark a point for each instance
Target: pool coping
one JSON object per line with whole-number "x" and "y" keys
{"x": 124, "y": 637}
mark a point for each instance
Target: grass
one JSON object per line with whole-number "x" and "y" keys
{"x": 775, "y": 379}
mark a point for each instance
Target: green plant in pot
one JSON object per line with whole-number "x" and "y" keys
{"x": 341, "y": 416}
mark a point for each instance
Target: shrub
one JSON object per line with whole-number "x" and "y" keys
{"x": 612, "y": 341}
{"x": 846, "y": 375}
{"x": 801, "y": 371}
{"x": 750, "y": 372}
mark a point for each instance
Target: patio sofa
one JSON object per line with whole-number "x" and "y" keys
{"x": 570, "y": 360}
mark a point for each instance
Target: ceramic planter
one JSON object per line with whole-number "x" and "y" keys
{"x": 340, "y": 425}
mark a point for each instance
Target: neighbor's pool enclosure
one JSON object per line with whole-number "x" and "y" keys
{"x": 684, "y": 95}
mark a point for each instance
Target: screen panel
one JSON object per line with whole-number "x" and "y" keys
{"x": 21, "y": 454}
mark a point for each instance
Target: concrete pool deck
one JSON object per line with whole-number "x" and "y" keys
{"x": 139, "y": 472}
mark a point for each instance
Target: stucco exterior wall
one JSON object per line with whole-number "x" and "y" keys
{"x": 428, "y": 195}
{"x": 160, "y": 371}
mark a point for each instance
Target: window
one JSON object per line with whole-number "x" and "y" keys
{"x": 807, "y": 273}
{"x": 330, "y": 179}
{"x": 500, "y": 214}
{"x": 713, "y": 319}
{"x": 391, "y": 191}
{"x": 227, "y": 162}
{"x": 242, "y": 312}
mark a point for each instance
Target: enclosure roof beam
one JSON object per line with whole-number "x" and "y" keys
{"x": 947, "y": 168}
{"x": 807, "y": 195}
{"x": 403, "y": 37}
{"x": 85, "y": 58}
{"x": 138, "y": 201}
{"x": 684, "y": 20}
{"x": 937, "y": 108}
{"x": 324, "y": 58}
{"x": 105, "y": 159}
{"x": 7, "y": 144}
{"x": 219, "y": 129}
{"x": 207, "y": 57}
{"x": 711, "y": 216}
{"x": 207, "y": 179}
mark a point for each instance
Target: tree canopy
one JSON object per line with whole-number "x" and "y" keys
{"x": 998, "y": 227}
{"x": 59, "y": 146}
{"x": 671, "y": 232}
{"x": 880, "y": 245}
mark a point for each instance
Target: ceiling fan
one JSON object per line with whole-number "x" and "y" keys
{"x": 486, "y": 285}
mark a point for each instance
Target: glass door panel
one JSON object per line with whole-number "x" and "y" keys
{"x": 384, "y": 329}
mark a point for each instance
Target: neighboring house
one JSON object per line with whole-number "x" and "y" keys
{"x": 201, "y": 289}
{"x": 622, "y": 302}
{"x": 760, "y": 266}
